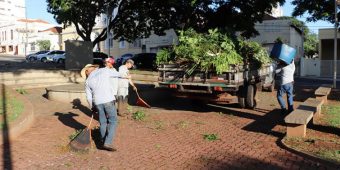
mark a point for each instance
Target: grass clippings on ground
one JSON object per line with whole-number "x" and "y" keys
{"x": 210, "y": 137}
{"x": 139, "y": 115}
{"x": 21, "y": 91}
{"x": 182, "y": 124}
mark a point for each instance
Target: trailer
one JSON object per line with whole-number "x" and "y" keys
{"x": 238, "y": 85}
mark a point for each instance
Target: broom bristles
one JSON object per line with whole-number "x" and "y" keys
{"x": 82, "y": 141}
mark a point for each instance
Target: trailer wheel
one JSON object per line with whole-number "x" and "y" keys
{"x": 250, "y": 101}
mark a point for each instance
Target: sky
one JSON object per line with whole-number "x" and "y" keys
{"x": 313, "y": 26}
{"x": 37, "y": 9}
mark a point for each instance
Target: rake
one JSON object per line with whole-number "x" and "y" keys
{"x": 141, "y": 102}
{"x": 83, "y": 140}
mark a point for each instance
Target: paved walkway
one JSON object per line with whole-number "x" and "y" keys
{"x": 171, "y": 137}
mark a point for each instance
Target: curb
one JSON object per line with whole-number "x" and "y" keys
{"x": 333, "y": 164}
{"x": 22, "y": 123}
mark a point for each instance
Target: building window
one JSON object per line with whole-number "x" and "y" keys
{"x": 136, "y": 44}
{"x": 32, "y": 46}
{"x": 11, "y": 34}
{"x": 10, "y": 48}
{"x": 121, "y": 43}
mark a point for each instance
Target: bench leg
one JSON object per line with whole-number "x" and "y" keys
{"x": 317, "y": 114}
{"x": 296, "y": 130}
{"x": 322, "y": 98}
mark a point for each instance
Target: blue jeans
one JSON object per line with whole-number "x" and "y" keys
{"x": 108, "y": 121}
{"x": 288, "y": 89}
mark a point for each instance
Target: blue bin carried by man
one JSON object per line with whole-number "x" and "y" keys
{"x": 283, "y": 52}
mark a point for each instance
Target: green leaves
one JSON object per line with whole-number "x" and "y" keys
{"x": 212, "y": 51}
{"x": 254, "y": 53}
{"x": 206, "y": 51}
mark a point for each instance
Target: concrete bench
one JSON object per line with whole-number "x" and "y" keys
{"x": 322, "y": 92}
{"x": 297, "y": 122}
{"x": 312, "y": 104}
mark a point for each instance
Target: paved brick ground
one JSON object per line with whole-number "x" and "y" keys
{"x": 171, "y": 137}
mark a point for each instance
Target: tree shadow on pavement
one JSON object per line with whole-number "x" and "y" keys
{"x": 262, "y": 123}
{"x": 164, "y": 98}
{"x": 266, "y": 123}
{"x": 325, "y": 129}
{"x": 6, "y": 143}
{"x": 68, "y": 120}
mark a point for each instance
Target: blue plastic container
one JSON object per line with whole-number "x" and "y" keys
{"x": 283, "y": 52}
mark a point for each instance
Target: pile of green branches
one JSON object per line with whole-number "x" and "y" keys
{"x": 211, "y": 51}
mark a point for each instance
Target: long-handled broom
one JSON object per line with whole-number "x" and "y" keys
{"x": 82, "y": 141}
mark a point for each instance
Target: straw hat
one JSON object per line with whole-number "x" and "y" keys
{"x": 82, "y": 72}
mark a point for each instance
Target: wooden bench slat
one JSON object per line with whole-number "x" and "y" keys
{"x": 299, "y": 116}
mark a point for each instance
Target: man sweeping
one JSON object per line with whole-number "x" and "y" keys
{"x": 98, "y": 88}
{"x": 123, "y": 87}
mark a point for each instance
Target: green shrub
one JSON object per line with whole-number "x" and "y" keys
{"x": 139, "y": 115}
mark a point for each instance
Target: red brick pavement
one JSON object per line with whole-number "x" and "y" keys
{"x": 167, "y": 139}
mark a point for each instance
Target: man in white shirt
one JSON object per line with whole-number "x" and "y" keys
{"x": 98, "y": 89}
{"x": 123, "y": 87}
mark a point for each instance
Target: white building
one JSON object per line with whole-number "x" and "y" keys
{"x": 11, "y": 10}
{"x": 119, "y": 47}
{"x": 271, "y": 29}
{"x": 277, "y": 12}
{"x": 53, "y": 34}
{"x": 19, "y": 37}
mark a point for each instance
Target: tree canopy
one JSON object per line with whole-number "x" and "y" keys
{"x": 139, "y": 18}
{"x": 134, "y": 18}
{"x": 44, "y": 44}
{"x": 228, "y": 15}
{"x": 316, "y": 10}
{"x": 311, "y": 45}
